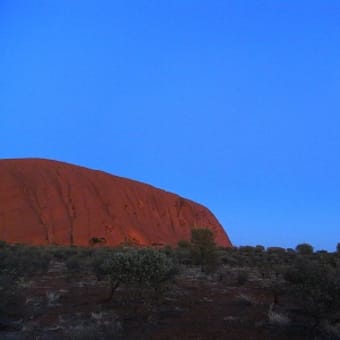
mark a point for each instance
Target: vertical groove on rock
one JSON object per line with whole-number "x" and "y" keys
{"x": 64, "y": 197}
{"x": 31, "y": 200}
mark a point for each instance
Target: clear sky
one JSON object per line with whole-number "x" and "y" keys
{"x": 234, "y": 104}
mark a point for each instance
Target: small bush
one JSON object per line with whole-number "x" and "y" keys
{"x": 259, "y": 248}
{"x": 52, "y": 298}
{"x": 242, "y": 277}
{"x": 277, "y": 319}
{"x": 330, "y": 331}
{"x": 229, "y": 259}
{"x": 78, "y": 263}
{"x": 338, "y": 248}
{"x": 147, "y": 268}
{"x": 16, "y": 263}
{"x": 246, "y": 299}
{"x": 62, "y": 253}
{"x": 9, "y": 298}
{"x": 97, "y": 260}
{"x": 183, "y": 244}
{"x": 247, "y": 250}
{"x": 97, "y": 241}
{"x": 304, "y": 249}
{"x": 276, "y": 250}
{"x": 3, "y": 244}
{"x": 203, "y": 248}
{"x": 94, "y": 331}
{"x": 316, "y": 286}
{"x": 21, "y": 260}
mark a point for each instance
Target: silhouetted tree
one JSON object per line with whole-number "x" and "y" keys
{"x": 203, "y": 248}
{"x": 338, "y": 248}
{"x": 304, "y": 249}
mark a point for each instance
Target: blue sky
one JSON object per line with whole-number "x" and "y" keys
{"x": 233, "y": 104}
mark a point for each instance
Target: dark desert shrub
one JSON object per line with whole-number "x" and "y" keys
{"x": 304, "y": 249}
{"x": 18, "y": 262}
{"x": 316, "y": 287}
{"x": 203, "y": 248}
{"x": 146, "y": 268}
{"x": 242, "y": 277}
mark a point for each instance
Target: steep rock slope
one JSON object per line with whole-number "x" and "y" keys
{"x": 49, "y": 202}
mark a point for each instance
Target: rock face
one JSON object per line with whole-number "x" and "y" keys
{"x": 50, "y": 202}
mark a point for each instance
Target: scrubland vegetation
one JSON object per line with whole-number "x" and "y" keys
{"x": 145, "y": 293}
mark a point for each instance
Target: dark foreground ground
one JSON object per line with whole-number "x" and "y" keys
{"x": 221, "y": 305}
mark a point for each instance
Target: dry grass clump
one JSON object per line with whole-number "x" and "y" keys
{"x": 330, "y": 331}
{"x": 246, "y": 299}
{"x": 277, "y": 319}
{"x": 52, "y": 298}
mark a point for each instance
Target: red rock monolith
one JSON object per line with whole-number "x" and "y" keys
{"x": 50, "y": 202}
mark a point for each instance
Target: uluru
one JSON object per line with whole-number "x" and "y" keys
{"x": 50, "y": 202}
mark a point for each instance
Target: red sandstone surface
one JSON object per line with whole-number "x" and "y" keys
{"x": 51, "y": 202}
